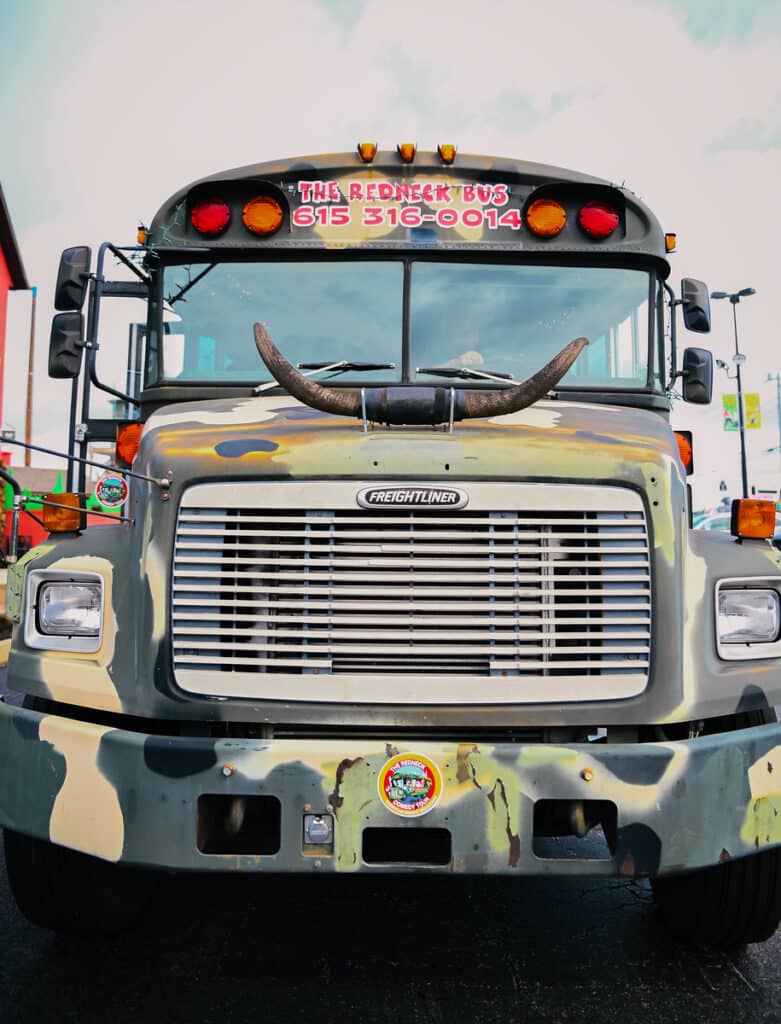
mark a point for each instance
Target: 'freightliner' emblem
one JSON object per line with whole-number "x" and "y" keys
{"x": 412, "y": 497}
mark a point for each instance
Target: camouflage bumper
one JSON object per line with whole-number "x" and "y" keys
{"x": 134, "y": 797}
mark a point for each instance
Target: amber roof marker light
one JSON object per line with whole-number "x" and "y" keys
{"x": 367, "y": 151}
{"x": 407, "y": 151}
{"x": 447, "y": 153}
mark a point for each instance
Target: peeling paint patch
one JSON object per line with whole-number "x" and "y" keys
{"x": 235, "y": 449}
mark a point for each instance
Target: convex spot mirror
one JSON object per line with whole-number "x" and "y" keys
{"x": 72, "y": 278}
{"x": 65, "y": 345}
{"x": 697, "y": 376}
{"x": 695, "y": 301}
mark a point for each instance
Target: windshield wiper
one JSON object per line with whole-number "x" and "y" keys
{"x": 464, "y": 373}
{"x": 342, "y": 366}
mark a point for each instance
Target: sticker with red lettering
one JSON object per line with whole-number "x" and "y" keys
{"x": 410, "y": 785}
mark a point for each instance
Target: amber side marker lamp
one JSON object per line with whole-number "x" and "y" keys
{"x": 670, "y": 241}
{"x": 128, "y": 440}
{"x": 685, "y": 449}
{"x": 367, "y": 151}
{"x": 141, "y": 235}
{"x": 406, "y": 151}
{"x": 447, "y": 153}
{"x": 262, "y": 215}
{"x": 546, "y": 218}
{"x": 753, "y": 517}
{"x": 62, "y": 520}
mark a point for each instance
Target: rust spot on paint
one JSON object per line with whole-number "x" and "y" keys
{"x": 464, "y": 767}
{"x": 513, "y": 838}
{"x": 336, "y": 799}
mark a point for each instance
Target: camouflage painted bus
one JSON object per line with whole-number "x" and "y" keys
{"x": 403, "y": 579}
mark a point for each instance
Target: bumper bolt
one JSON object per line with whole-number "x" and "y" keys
{"x": 587, "y": 774}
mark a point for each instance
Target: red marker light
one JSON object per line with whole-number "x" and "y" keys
{"x": 211, "y": 217}
{"x": 598, "y": 219}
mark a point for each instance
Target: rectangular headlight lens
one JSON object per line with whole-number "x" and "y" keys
{"x": 748, "y": 616}
{"x": 69, "y": 609}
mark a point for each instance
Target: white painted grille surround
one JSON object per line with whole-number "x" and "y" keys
{"x": 532, "y": 593}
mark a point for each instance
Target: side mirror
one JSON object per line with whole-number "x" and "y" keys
{"x": 71, "y": 288}
{"x": 697, "y": 376}
{"x": 65, "y": 345}
{"x": 696, "y": 305}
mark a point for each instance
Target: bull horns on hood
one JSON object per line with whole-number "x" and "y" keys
{"x": 471, "y": 404}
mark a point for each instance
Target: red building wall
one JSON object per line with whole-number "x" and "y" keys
{"x": 5, "y": 284}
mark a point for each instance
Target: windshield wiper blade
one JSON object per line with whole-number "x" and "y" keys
{"x": 342, "y": 366}
{"x": 464, "y": 373}
{"x": 345, "y": 364}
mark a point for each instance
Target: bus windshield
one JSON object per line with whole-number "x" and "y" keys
{"x": 493, "y": 317}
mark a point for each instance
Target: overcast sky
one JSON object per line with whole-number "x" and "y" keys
{"x": 106, "y": 109}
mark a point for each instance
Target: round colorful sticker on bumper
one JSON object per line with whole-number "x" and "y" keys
{"x": 410, "y": 785}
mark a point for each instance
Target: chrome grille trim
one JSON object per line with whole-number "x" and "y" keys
{"x": 533, "y": 593}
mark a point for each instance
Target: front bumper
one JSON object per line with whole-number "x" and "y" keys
{"x": 134, "y": 797}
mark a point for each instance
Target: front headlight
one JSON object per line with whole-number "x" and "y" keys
{"x": 69, "y": 609}
{"x": 63, "y": 610}
{"x": 748, "y": 621}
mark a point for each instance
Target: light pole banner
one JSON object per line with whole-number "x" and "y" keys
{"x": 730, "y": 406}
{"x": 753, "y": 413}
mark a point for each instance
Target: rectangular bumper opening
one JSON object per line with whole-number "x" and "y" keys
{"x": 431, "y": 846}
{"x": 239, "y": 824}
{"x": 575, "y": 829}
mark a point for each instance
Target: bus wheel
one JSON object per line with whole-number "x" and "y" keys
{"x": 68, "y": 891}
{"x": 726, "y": 905}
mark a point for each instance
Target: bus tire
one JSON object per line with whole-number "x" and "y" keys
{"x": 67, "y": 891}
{"x": 725, "y": 905}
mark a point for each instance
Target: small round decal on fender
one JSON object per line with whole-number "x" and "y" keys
{"x": 111, "y": 490}
{"x": 410, "y": 785}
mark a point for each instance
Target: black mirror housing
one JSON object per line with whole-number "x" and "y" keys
{"x": 72, "y": 278}
{"x": 65, "y": 345}
{"x": 695, "y": 301}
{"x": 697, "y": 376}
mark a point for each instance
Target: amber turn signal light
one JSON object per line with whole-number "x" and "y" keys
{"x": 128, "y": 440}
{"x": 752, "y": 517}
{"x": 685, "y": 449}
{"x": 262, "y": 215}
{"x": 64, "y": 515}
{"x": 546, "y": 218}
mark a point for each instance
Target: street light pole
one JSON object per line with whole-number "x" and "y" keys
{"x": 738, "y": 360}
{"x": 777, "y": 378}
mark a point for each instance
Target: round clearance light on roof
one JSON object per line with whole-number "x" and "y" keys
{"x": 546, "y": 217}
{"x": 406, "y": 151}
{"x": 599, "y": 220}
{"x": 211, "y": 217}
{"x": 367, "y": 151}
{"x": 447, "y": 153}
{"x": 262, "y": 215}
